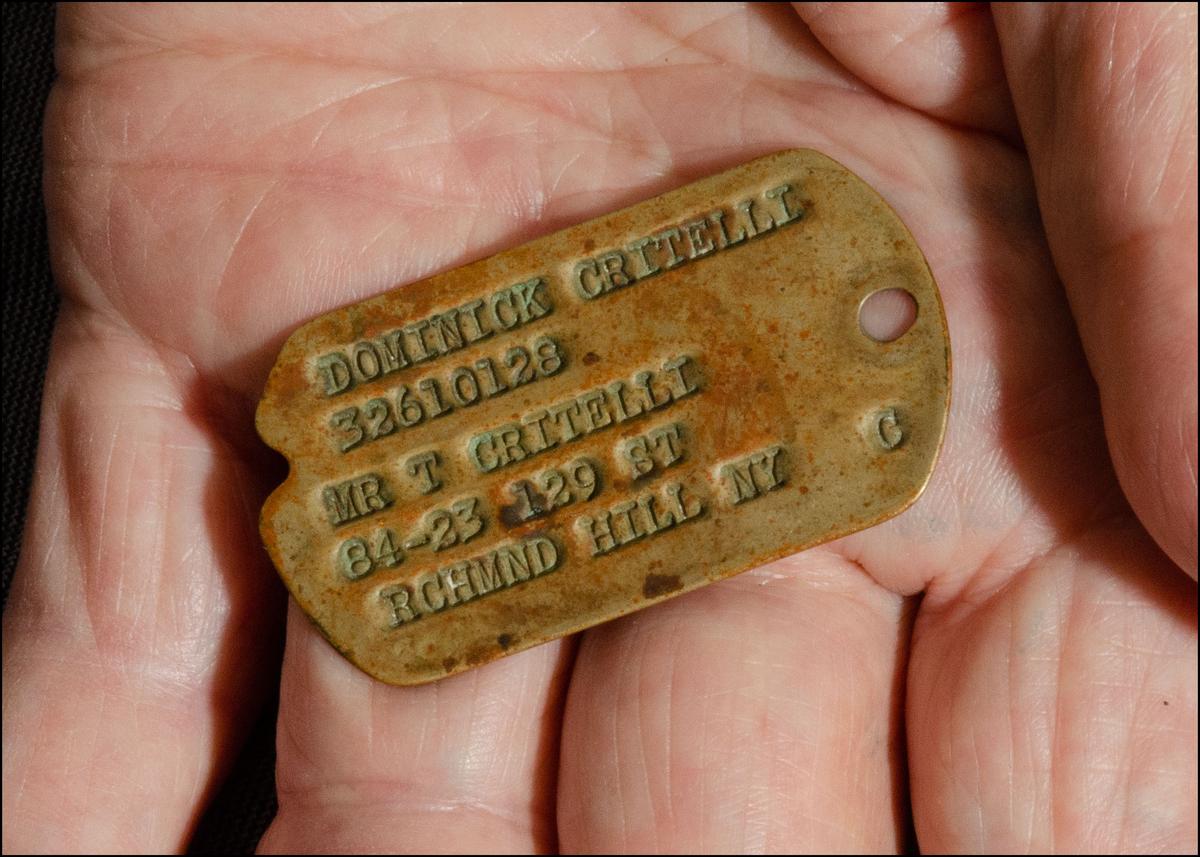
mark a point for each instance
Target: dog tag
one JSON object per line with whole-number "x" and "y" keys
{"x": 603, "y": 418}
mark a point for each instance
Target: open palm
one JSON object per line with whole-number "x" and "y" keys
{"x": 217, "y": 175}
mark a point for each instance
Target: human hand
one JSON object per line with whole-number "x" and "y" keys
{"x": 218, "y": 174}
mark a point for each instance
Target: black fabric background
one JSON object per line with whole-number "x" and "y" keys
{"x": 245, "y": 805}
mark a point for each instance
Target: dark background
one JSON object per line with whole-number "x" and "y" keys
{"x": 245, "y": 805}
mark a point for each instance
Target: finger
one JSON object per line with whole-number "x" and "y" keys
{"x": 1106, "y": 95}
{"x": 136, "y": 634}
{"x": 941, "y": 58}
{"x": 465, "y": 765}
{"x": 1059, "y": 714}
{"x": 760, "y": 714}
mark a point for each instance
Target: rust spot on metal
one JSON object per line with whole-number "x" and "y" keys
{"x": 657, "y": 585}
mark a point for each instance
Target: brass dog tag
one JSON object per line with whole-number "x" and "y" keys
{"x": 603, "y": 418}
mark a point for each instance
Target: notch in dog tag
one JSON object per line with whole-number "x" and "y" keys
{"x": 612, "y": 415}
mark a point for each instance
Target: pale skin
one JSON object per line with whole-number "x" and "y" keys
{"x": 217, "y": 175}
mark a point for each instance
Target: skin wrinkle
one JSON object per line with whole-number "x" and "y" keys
{"x": 701, "y": 59}
{"x": 232, "y": 168}
{"x": 70, "y": 269}
{"x": 321, "y": 813}
{"x": 98, "y": 560}
{"x": 1068, "y": 613}
{"x": 1122, "y": 835}
{"x": 636, "y": 681}
{"x": 1029, "y": 761}
{"x": 1012, "y": 732}
{"x": 195, "y": 94}
{"x": 109, "y": 255}
{"x": 345, "y": 192}
{"x": 934, "y": 46}
{"x": 467, "y": 82}
{"x": 678, "y": 41}
{"x": 333, "y": 800}
{"x": 939, "y": 594}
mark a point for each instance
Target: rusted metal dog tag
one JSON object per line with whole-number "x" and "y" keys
{"x": 603, "y": 418}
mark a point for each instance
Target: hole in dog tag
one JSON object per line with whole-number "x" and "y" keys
{"x": 887, "y": 315}
{"x": 606, "y": 417}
